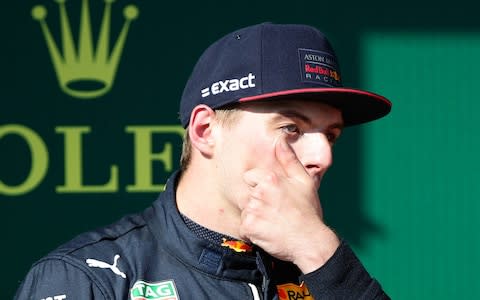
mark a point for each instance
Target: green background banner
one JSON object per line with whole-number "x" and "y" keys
{"x": 89, "y": 128}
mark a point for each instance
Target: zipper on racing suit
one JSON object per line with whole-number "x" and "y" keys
{"x": 266, "y": 271}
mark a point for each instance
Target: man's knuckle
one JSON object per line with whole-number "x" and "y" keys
{"x": 271, "y": 178}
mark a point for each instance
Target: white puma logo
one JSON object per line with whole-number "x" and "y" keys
{"x": 100, "y": 264}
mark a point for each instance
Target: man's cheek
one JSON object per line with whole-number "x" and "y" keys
{"x": 263, "y": 153}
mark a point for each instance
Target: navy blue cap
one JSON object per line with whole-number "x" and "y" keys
{"x": 271, "y": 61}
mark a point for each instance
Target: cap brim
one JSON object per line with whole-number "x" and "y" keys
{"x": 357, "y": 106}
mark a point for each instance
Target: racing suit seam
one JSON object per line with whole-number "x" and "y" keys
{"x": 103, "y": 238}
{"x": 70, "y": 261}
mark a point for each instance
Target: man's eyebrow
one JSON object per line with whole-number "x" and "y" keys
{"x": 289, "y": 113}
{"x": 338, "y": 125}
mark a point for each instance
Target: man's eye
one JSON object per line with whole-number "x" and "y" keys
{"x": 332, "y": 138}
{"x": 291, "y": 129}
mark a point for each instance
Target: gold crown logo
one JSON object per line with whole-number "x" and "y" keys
{"x": 84, "y": 66}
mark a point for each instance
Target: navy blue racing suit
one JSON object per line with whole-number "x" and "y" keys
{"x": 154, "y": 255}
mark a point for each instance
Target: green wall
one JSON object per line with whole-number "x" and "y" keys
{"x": 401, "y": 191}
{"x": 421, "y": 182}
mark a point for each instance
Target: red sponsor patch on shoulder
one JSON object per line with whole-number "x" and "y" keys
{"x": 291, "y": 291}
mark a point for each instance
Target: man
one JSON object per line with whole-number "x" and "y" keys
{"x": 242, "y": 218}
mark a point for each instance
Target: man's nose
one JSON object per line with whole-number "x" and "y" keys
{"x": 316, "y": 153}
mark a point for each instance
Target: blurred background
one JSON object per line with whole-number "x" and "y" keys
{"x": 402, "y": 191}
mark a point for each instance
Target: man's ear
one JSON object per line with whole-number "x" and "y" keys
{"x": 200, "y": 129}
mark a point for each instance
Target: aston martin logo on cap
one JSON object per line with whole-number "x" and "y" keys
{"x": 319, "y": 67}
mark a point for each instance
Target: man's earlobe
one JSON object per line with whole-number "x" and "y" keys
{"x": 200, "y": 129}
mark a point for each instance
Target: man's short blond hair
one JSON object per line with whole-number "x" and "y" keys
{"x": 224, "y": 116}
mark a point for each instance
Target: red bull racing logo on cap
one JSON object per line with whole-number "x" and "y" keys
{"x": 319, "y": 67}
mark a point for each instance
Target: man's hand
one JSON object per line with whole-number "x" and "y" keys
{"x": 283, "y": 215}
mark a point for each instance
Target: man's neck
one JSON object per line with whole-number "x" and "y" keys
{"x": 199, "y": 199}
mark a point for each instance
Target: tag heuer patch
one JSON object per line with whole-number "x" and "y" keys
{"x": 163, "y": 290}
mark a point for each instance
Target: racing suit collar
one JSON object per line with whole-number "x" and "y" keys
{"x": 171, "y": 231}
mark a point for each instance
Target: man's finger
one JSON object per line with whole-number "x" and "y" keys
{"x": 253, "y": 177}
{"x": 288, "y": 160}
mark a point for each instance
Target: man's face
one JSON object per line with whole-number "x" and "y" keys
{"x": 311, "y": 129}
